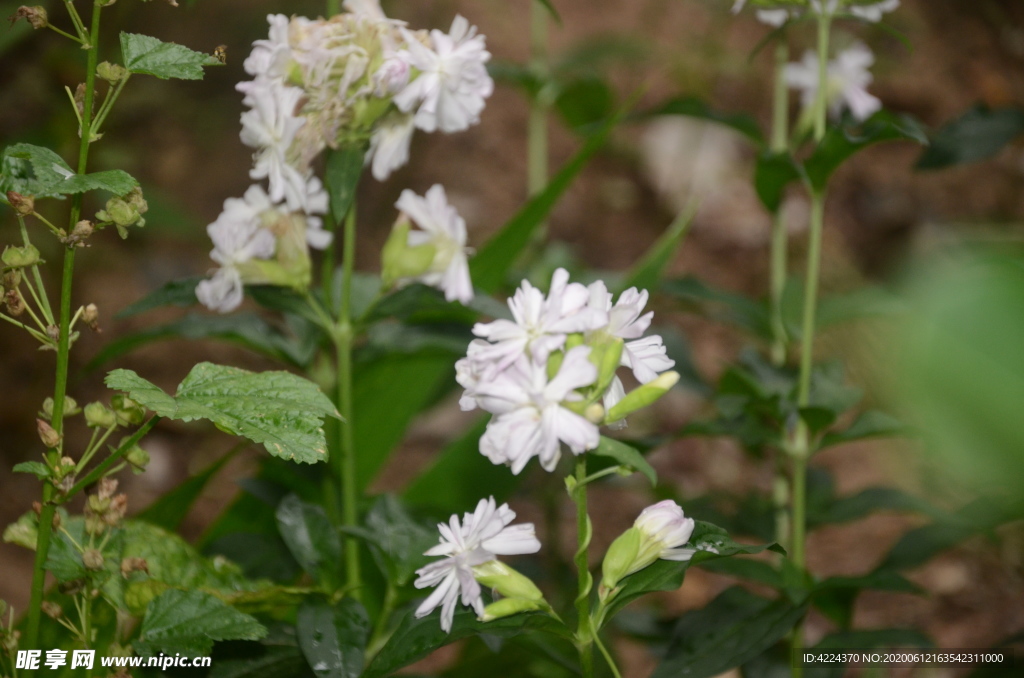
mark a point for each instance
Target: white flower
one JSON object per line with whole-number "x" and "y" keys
{"x": 389, "y": 145}
{"x": 540, "y": 324}
{"x": 316, "y": 201}
{"x": 270, "y": 127}
{"x": 222, "y": 292}
{"x": 645, "y": 356}
{"x": 453, "y": 82}
{"x": 665, "y": 529}
{"x": 848, "y": 77}
{"x": 366, "y": 8}
{"x": 269, "y": 58}
{"x": 776, "y": 17}
{"x": 444, "y": 230}
{"x": 873, "y": 13}
{"x": 531, "y": 420}
{"x": 479, "y": 538}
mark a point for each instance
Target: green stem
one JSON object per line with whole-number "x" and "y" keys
{"x": 76, "y": 19}
{"x": 607, "y": 656}
{"x": 43, "y": 339}
{"x": 333, "y": 7}
{"x": 108, "y": 103}
{"x": 584, "y": 629}
{"x": 537, "y": 143}
{"x": 101, "y": 469}
{"x": 779, "y": 144}
{"x": 346, "y": 445}
{"x": 821, "y": 103}
{"x": 65, "y": 34}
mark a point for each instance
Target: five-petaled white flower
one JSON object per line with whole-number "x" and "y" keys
{"x": 478, "y": 538}
{"x": 848, "y": 78}
{"x": 531, "y": 418}
{"x": 445, "y": 231}
{"x": 449, "y": 92}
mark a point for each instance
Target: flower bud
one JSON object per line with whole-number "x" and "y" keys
{"x": 129, "y": 412}
{"x": 12, "y": 279}
{"x": 80, "y": 233}
{"x": 138, "y": 458}
{"x": 92, "y": 559}
{"x": 606, "y": 355}
{"x": 642, "y": 396}
{"x": 47, "y": 434}
{"x": 24, "y": 205}
{"x": 14, "y": 303}
{"x": 506, "y": 581}
{"x": 98, "y": 415}
{"x": 120, "y": 212}
{"x": 20, "y": 257}
{"x": 71, "y": 408}
{"x": 52, "y": 609}
{"x": 619, "y": 560}
{"x": 506, "y": 607}
{"x": 399, "y": 260}
{"x": 112, "y": 73}
{"x": 36, "y": 16}
{"x": 129, "y": 565}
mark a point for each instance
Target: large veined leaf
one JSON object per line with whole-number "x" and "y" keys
{"x": 333, "y": 637}
{"x": 415, "y": 638}
{"x": 190, "y": 621}
{"x": 147, "y": 55}
{"x": 38, "y": 171}
{"x": 282, "y": 411}
{"x": 311, "y": 537}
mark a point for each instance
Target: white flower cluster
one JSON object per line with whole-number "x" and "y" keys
{"x": 356, "y": 78}
{"x": 782, "y": 12}
{"x": 479, "y": 538}
{"x": 543, "y": 372}
{"x": 848, "y": 77}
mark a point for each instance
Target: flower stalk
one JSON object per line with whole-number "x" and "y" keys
{"x": 63, "y": 344}
{"x": 584, "y": 629}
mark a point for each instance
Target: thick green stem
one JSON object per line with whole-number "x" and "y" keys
{"x": 63, "y": 345}
{"x": 584, "y": 629}
{"x": 333, "y": 7}
{"x": 346, "y": 444}
{"x": 779, "y": 144}
{"x": 537, "y": 142}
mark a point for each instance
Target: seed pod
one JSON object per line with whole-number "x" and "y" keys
{"x": 92, "y": 559}
{"x": 12, "y": 279}
{"x": 20, "y": 257}
{"x": 98, "y": 415}
{"x": 14, "y": 302}
{"x": 47, "y": 434}
{"x": 112, "y": 73}
{"x": 36, "y": 16}
{"x": 22, "y": 204}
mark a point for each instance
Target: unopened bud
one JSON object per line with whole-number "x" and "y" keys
{"x": 36, "y": 16}
{"x": 80, "y": 233}
{"x": 138, "y": 458}
{"x": 619, "y": 558}
{"x": 506, "y": 607}
{"x": 606, "y": 355}
{"x": 12, "y": 279}
{"x": 14, "y": 303}
{"x": 22, "y": 204}
{"x": 20, "y": 257}
{"x": 91, "y": 316}
{"x": 506, "y": 581}
{"x": 71, "y": 408}
{"x": 98, "y": 415}
{"x": 92, "y": 559}
{"x": 643, "y": 396}
{"x": 47, "y": 434}
{"x": 594, "y": 413}
{"x": 129, "y": 412}
{"x": 399, "y": 260}
{"x": 129, "y": 565}
{"x": 112, "y": 73}
{"x": 52, "y": 609}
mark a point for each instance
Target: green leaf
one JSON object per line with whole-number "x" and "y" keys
{"x": 400, "y": 539}
{"x": 840, "y": 143}
{"x": 170, "y": 510}
{"x": 728, "y": 307}
{"x": 276, "y": 656}
{"x": 667, "y": 575}
{"x": 978, "y": 134}
{"x": 733, "y": 629}
{"x": 493, "y": 260}
{"x": 746, "y": 568}
{"x": 38, "y": 171}
{"x": 585, "y": 102}
{"x": 415, "y": 638}
{"x": 646, "y": 273}
{"x": 836, "y": 596}
{"x": 550, "y": 7}
{"x": 626, "y": 456}
{"x": 854, "y": 507}
{"x": 282, "y": 411}
{"x": 333, "y": 638}
{"x": 461, "y": 470}
{"x": 147, "y": 55}
{"x": 181, "y": 293}
{"x": 870, "y": 424}
{"x": 693, "y": 107}
{"x": 190, "y": 621}
{"x": 245, "y": 329}
{"x": 772, "y": 174}
{"x": 311, "y": 537}
{"x": 341, "y": 178}
{"x": 35, "y": 468}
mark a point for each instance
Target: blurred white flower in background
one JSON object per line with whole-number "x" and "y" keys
{"x": 848, "y": 77}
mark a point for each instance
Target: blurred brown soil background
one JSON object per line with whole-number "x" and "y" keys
{"x": 180, "y": 139}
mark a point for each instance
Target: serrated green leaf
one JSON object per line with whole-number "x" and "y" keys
{"x": 626, "y": 456}
{"x": 38, "y": 171}
{"x": 416, "y": 638}
{"x": 190, "y": 621}
{"x": 282, "y": 411}
{"x": 841, "y": 143}
{"x": 36, "y": 468}
{"x": 333, "y": 637}
{"x": 344, "y": 168}
{"x": 150, "y": 56}
{"x": 311, "y": 537}
{"x": 978, "y": 134}
{"x": 180, "y": 293}
{"x": 734, "y": 628}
